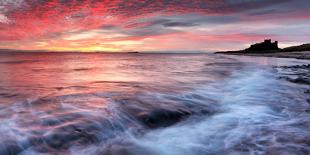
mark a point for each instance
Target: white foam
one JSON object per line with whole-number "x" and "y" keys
{"x": 245, "y": 100}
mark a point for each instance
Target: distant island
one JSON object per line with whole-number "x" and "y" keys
{"x": 269, "y": 48}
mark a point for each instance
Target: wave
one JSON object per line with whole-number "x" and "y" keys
{"x": 246, "y": 122}
{"x": 227, "y": 108}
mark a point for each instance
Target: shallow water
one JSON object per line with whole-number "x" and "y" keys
{"x": 156, "y": 104}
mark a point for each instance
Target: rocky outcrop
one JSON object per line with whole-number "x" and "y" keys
{"x": 303, "y": 47}
{"x": 162, "y": 117}
{"x": 299, "y": 74}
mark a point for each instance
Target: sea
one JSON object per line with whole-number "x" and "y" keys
{"x": 151, "y": 104}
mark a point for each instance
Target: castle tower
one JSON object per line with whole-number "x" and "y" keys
{"x": 267, "y": 41}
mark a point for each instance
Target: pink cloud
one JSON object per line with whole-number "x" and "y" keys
{"x": 32, "y": 21}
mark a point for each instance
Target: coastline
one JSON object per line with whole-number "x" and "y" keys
{"x": 298, "y": 74}
{"x": 297, "y": 55}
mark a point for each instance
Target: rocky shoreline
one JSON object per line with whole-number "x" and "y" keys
{"x": 297, "y": 55}
{"x": 298, "y": 74}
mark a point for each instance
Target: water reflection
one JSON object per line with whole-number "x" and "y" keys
{"x": 70, "y": 103}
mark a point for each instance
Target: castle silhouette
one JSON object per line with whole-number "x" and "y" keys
{"x": 264, "y": 46}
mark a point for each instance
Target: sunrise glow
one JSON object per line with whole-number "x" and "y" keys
{"x": 161, "y": 25}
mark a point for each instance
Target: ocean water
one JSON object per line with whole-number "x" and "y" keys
{"x": 154, "y": 104}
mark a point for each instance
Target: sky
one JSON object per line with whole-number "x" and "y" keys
{"x": 151, "y": 25}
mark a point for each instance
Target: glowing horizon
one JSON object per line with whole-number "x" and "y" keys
{"x": 160, "y": 25}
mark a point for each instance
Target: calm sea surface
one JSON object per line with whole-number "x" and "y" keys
{"x": 150, "y": 104}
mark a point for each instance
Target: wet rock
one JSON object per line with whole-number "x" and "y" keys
{"x": 296, "y": 67}
{"x": 151, "y": 115}
{"x": 125, "y": 149}
{"x": 162, "y": 117}
{"x": 286, "y": 151}
{"x": 302, "y": 72}
{"x": 301, "y": 80}
{"x": 62, "y": 138}
{"x": 10, "y": 148}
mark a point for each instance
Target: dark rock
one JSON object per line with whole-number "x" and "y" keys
{"x": 10, "y": 148}
{"x": 77, "y": 134}
{"x": 162, "y": 117}
{"x": 66, "y": 136}
{"x": 300, "y": 80}
{"x": 303, "y": 47}
{"x": 301, "y": 71}
{"x": 278, "y": 150}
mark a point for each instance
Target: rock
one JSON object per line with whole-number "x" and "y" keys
{"x": 301, "y": 80}
{"x": 10, "y": 148}
{"x": 162, "y": 117}
{"x": 303, "y": 47}
{"x": 150, "y": 116}
{"x": 301, "y": 71}
{"x": 76, "y": 134}
{"x": 69, "y": 135}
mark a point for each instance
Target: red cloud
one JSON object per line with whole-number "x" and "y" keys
{"x": 42, "y": 18}
{"x": 33, "y": 20}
